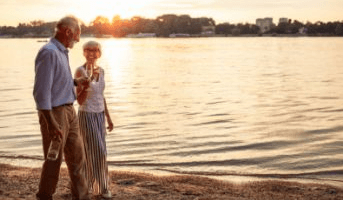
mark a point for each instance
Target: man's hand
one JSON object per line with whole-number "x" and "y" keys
{"x": 56, "y": 132}
{"x": 53, "y": 127}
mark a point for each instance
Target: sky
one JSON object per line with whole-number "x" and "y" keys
{"x": 14, "y": 12}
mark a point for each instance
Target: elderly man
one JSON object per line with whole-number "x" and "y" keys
{"x": 54, "y": 94}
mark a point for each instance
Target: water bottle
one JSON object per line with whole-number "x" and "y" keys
{"x": 54, "y": 148}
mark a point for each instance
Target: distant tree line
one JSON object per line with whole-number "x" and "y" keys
{"x": 162, "y": 26}
{"x": 33, "y": 28}
{"x": 318, "y": 28}
{"x": 167, "y": 24}
{"x": 237, "y": 29}
{"x": 290, "y": 27}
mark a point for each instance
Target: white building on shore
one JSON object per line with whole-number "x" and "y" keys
{"x": 141, "y": 35}
{"x": 264, "y": 24}
{"x": 283, "y": 20}
{"x": 208, "y": 30}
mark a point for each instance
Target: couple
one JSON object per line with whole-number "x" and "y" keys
{"x": 83, "y": 137}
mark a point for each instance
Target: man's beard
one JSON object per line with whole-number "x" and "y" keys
{"x": 71, "y": 44}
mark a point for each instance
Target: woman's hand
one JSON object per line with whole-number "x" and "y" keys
{"x": 84, "y": 81}
{"x": 110, "y": 125}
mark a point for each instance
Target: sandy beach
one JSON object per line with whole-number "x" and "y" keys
{"x": 22, "y": 183}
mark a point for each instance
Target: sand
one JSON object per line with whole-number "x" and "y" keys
{"x": 22, "y": 183}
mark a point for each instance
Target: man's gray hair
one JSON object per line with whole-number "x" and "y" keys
{"x": 68, "y": 22}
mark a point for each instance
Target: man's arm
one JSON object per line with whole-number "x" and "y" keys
{"x": 44, "y": 75}
{"x": 45, "y": 65}
{"x": 53, "y": 125}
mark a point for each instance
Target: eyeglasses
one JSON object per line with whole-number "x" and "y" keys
{"x": 92, "y": 50}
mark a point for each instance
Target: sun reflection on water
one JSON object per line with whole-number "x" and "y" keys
{"x": 116, "y": 54}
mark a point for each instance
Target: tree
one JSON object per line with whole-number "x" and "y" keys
{"x": 117, "y": 27}
{"x": 166, "y": 24}
{"x": 236, "y": 31}
{"x": 136, "y": 25}
{"x": 182, "y": 24}
{"x": 224, "y": 28}
{"x": 330, "y": 28}
{"x": 150, "y": 26}
{"x": 254, "y": 29}
{"x": 196, "y": 26}
{"x": 102, "y": 25}
{"x": 339, "y": 29}
{"x": 116, "y": 22}
{"x": 37, "y": 23}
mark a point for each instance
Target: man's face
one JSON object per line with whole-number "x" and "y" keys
{"x": 73, "y": 37}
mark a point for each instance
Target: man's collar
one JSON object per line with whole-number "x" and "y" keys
{"x": 59, "y": 45}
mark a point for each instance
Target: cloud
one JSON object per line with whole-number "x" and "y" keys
{"x": 29, "y": 3}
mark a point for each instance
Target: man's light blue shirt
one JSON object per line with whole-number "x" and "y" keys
{"x": 54, "y": 84}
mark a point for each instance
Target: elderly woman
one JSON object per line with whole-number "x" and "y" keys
{"x": 92, "y": 113}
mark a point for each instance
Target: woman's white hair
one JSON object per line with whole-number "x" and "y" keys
{"x": 92, "y": 44}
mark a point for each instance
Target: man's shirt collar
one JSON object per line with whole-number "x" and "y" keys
{"x": 59, "y": 45}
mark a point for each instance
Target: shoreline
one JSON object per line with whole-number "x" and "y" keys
{"x": 328, "y": 178}
{"x": 19, "y": 182}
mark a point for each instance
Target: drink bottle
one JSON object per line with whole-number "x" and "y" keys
{"x": 54, "y": 148}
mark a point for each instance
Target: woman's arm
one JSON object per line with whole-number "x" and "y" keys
{"x": 108, "y": 117}
{"x": 107, "y": 114}
{"x": 81, "y": 89}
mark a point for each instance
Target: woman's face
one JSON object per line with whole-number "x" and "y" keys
{"x": 91, "y": 54}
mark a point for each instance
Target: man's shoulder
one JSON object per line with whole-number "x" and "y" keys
{"x": 50, "y": 46}
{"x": 48, "y": 49}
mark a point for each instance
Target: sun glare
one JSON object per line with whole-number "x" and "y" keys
{"x": 116, "y": 56}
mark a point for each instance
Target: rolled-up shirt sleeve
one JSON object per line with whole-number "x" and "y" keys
{"x": 45, "y": 64}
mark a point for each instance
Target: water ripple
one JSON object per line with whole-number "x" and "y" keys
{"x": 256, "y": 146}
{"x": 221, "y": 121}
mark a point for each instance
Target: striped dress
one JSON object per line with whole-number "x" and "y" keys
{"x": 92, "y": 128}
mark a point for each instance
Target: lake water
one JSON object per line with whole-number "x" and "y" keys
{"x": 224, "y": 107}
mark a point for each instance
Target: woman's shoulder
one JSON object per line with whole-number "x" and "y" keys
{"x": 81, "y": 68}
{"x": 101, "y": 70}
